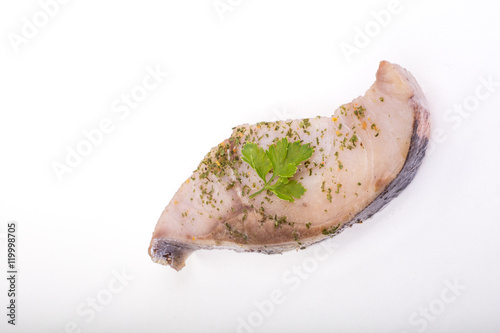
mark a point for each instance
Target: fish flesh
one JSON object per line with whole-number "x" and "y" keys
{"x": 364, "y": 155}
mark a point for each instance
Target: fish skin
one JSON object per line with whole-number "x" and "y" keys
{"x": 391, "y": 137}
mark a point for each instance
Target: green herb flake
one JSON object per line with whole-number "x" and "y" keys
{"x": 354, "y": 139}
{"x": 304, "y": 124}
{"x": 329, "y": 195}
{"x": 331, "y": 231}
{"x": 359, "y": 112}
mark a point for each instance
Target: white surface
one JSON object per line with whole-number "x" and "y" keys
{"x": 264, "y": 61}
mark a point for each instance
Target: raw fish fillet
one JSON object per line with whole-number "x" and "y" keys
{"x": 364, "y": 156}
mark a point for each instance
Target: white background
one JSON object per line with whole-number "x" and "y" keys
{"x": 261, "y": 60}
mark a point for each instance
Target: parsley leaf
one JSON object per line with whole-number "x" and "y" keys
{"x": 287, "y": 189}
{"x": 256, "y": 157}
{"x": 298, "y": 153}
{"x": 277, "y": 154}
{"x": 282, "y": 158}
